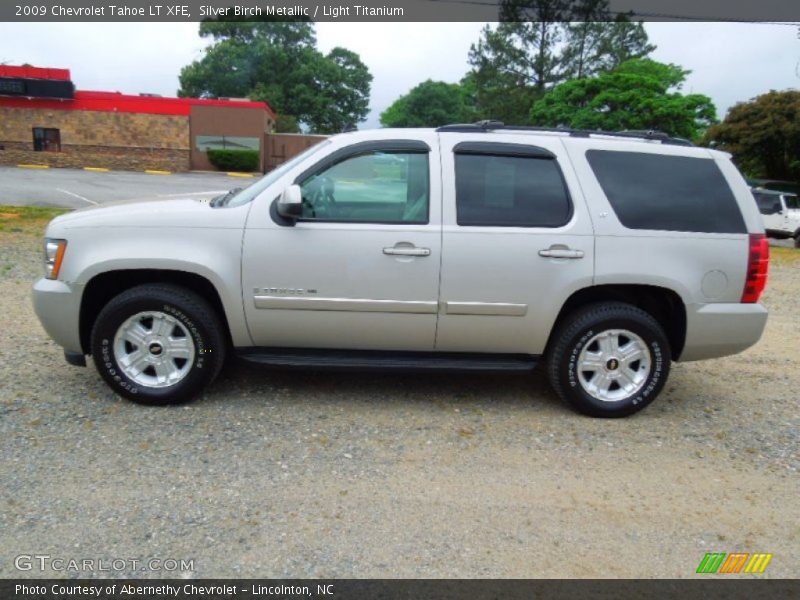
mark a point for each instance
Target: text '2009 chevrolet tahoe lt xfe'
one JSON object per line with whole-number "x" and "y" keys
{"x": 484, "y": 247}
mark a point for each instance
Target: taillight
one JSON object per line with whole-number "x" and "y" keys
{"x": 757, "y": 266}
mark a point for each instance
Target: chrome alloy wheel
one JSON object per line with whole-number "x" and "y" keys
{"x": 614, "y": 365}
{"x": 154, "y": 349}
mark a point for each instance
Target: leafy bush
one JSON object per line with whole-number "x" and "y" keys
{"x": 234, "y": 160}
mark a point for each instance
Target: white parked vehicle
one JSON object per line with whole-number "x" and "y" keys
{"x": 485, "y": 247}
{"x": 781, "y": 214}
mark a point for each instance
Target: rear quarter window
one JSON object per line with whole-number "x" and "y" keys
{"x": 668, "y": 193}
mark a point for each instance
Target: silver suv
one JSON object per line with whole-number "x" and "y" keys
{"x": 481, "y": 247}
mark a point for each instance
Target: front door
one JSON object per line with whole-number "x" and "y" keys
{"x": 360, "y": 268}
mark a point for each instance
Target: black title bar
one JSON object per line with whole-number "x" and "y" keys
{"x": 732, "y": 588}
{"x": 785, "y": 11}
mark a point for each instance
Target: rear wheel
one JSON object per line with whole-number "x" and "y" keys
{"x": 158, "y": 344}
{"x": 609, "y": 359}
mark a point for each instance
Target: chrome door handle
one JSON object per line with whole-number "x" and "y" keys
{"x": 561, "y": 253}
{"x": 406, "y": 251}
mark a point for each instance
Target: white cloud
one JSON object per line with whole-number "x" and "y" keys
{"x": 401, "y": 55}
{"x": 729, "y": 61}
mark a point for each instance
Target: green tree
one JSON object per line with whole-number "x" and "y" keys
{"x": 763, "y": 135}
{"x": 623, "y": 40}
{"x": 286, "y": 124}
{"x": 541, "y": 43}
{"x": 277, "y": 61}
{"x": 429, "y": 104}
{"x": 638, "y": 94}
{"x": 514, "y": 63}
{"x": 593, "y": 47}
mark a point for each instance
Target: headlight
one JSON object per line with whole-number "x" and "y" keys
{"x": 53, "y": 257}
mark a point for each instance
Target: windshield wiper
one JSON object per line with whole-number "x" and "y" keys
{"x": 225, "y": 198}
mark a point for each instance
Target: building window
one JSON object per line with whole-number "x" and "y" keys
{"x": 226, "y": 142}
{"x": 46, "y": 139}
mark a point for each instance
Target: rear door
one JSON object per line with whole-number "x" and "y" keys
{"x": 516, "y": 243}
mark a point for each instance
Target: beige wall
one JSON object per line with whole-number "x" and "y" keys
{"x": 83, "y": 127}
{"x": 280, "y": 147}
{"x": 127, "y": 141}
{"x": 124, "y": 141}
{"x": 224, "y": 120}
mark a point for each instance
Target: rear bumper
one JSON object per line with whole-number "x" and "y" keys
{"x": 715, "y": 330}
{"x": 57, "y": 304}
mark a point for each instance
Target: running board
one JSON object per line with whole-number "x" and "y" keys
{"x": 387, "y": 361}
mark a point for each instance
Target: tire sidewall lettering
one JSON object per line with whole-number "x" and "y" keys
{"x": 109, "y": 361}
{"x": 654, "y": 377}
{"x": 572, "y": 363}
{"x": 193, "y": 330}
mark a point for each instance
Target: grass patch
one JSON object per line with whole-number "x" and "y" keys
{"x": 781, "y": 256}
{"x": 27, "y": 219}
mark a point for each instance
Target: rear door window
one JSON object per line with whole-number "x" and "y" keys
{"x": 510, "y": 191}
{"x": 668, "y": 193}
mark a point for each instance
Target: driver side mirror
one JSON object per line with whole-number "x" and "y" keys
{"x": 290, "y": 203}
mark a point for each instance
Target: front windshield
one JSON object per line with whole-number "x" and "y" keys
{"x": 792, "y": 202}
{"x": 259, "y": 186}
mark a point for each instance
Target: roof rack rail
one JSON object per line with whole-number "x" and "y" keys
{"x": 489, "y": 125}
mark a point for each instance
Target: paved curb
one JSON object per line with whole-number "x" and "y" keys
{"x": 148, "y": 171}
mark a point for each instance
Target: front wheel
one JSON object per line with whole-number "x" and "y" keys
{"x": 158, "y": 344}
{"x": 609, "y": 359}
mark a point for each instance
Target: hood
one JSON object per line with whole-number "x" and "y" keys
{"x": 152, "y": 212}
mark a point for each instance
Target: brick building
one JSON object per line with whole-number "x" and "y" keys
{"x": 44, "y": 120}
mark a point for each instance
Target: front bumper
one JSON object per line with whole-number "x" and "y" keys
{"x": 58, "y": 304}
{"x": 715, "y": 330}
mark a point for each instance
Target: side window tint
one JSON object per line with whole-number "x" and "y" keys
{"x": 764, "y": 203}
{"x": 768, "y": 204}
{"x": 668, "y": 193}
{"x": 374, "y": 187}
{"x": 510, "y": 191}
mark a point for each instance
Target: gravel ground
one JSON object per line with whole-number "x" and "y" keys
{"x": 281, "y": 474}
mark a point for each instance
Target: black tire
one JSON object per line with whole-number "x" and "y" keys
{"x": 192, "y": 313}
{"x": 797, "y": 241}
{"x": 580, "y": 329}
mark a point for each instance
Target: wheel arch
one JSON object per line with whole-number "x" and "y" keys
{"x": 104, "y": 286}
{"x": 665, "y": 305}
